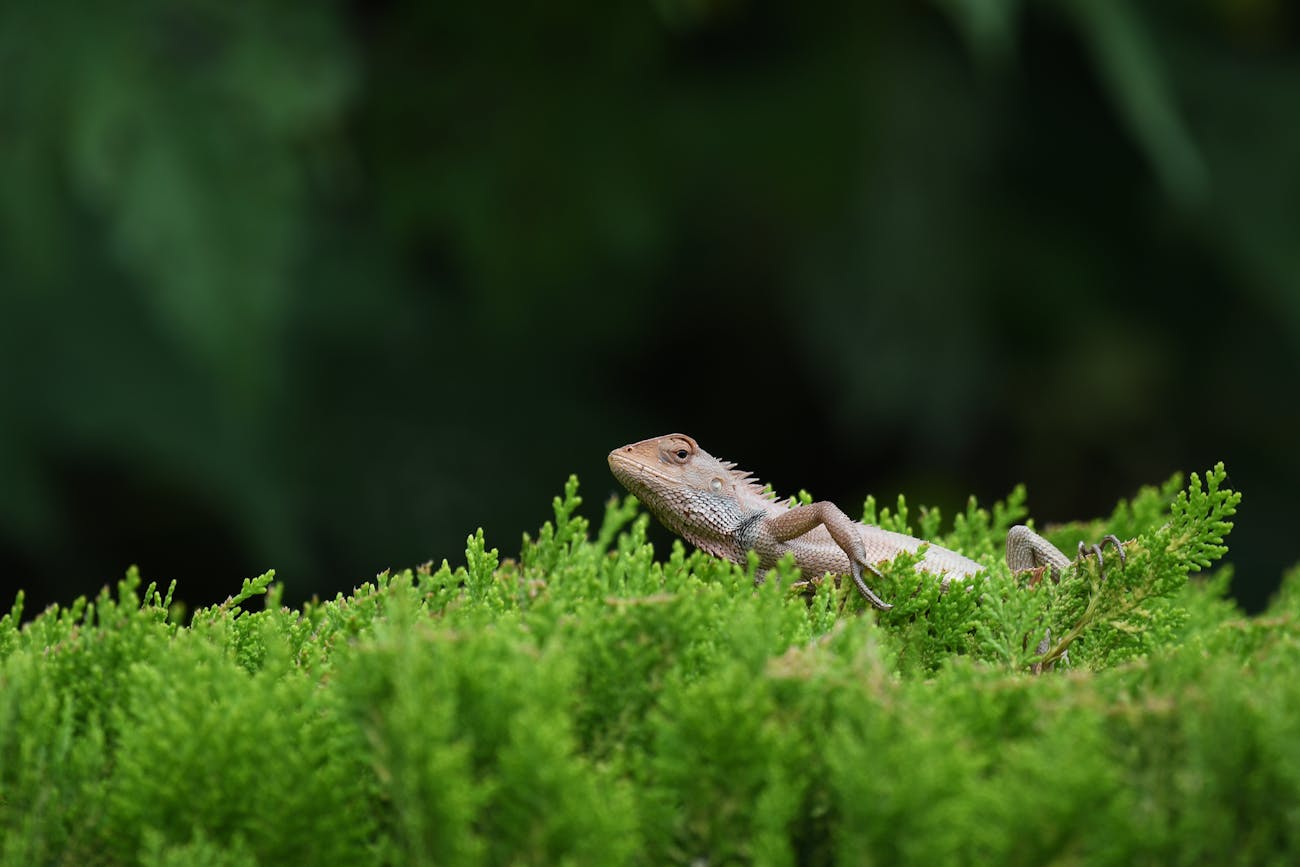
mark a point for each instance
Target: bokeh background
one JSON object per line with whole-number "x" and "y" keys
{"x": 324, "y": 287}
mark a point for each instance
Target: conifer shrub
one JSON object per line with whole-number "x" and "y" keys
{"x": 588, "y": 703}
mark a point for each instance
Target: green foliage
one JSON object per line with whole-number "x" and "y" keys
{"x": 589, "y": 703}
{"x": 1104, "y": 614}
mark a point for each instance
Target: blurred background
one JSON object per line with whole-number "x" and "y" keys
{"x": 324, "y": 287}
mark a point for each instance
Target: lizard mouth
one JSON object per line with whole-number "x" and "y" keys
{"x": 633, "y": 474}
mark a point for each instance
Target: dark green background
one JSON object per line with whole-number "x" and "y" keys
{"x": 324, "y": 287}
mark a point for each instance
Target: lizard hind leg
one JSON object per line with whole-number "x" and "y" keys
{"x": 1027, "y": 551}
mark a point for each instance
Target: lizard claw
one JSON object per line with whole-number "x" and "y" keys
{"x": 866, "y": 591}
{"x": 1109, "y": 538}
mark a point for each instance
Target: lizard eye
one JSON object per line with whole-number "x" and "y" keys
{"x": 676, "y": 449}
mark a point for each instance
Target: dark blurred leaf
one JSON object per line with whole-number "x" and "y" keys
{"x": 325, "y": 287}
{"x": 181, "y": 126}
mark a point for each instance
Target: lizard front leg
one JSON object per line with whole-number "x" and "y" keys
{"x": 798, "y": 520}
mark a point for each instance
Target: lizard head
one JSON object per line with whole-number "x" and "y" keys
{"x": 644, "y": 468}
{"x": 680, "y": 483}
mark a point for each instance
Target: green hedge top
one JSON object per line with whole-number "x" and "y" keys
{"x": 589, "y": 704}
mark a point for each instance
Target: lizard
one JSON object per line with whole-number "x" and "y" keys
{"x": 727, "y": 513}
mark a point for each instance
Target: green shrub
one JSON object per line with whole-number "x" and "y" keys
{"x": 589, "y": 704}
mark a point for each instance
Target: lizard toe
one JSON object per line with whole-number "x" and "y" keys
{"x": 1112, "y": 539}
{"x": 1108, "y": 539}
{"x": 866, "y": 591}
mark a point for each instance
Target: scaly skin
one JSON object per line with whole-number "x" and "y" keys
{"x": 725, "y": 512}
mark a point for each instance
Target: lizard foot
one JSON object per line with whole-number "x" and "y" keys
{"x": 1109, "y": 538}
{"x": 866, "y": 591}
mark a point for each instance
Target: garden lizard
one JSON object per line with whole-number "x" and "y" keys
{"x": 727, "y": 513}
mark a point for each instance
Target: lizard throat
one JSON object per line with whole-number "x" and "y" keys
{"x": 705, "y": 519}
